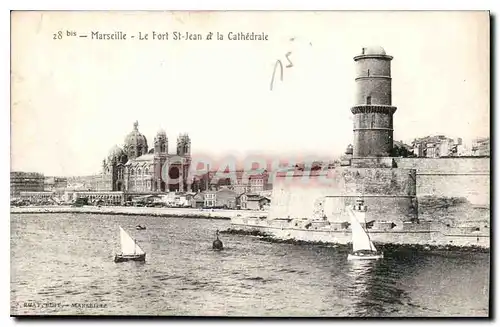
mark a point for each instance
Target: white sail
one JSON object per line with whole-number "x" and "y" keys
{"x": 360, "y": 239}
{"x": 129, "y": 246}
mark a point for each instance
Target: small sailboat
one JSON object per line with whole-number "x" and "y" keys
{"x": 131, "y": 251}
{"x": 362, "y": 246}
{"x": 217, "y": 244}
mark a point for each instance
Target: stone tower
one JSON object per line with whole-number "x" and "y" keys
{"x": 183, "y": 145}
{"x": 160, "y": 156}
{"x": 161, "y": 142}
{"x": 373, "y": 110}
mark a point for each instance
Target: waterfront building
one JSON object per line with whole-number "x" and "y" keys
{"x": 39, "y": 197}
{"x": 257, "y": 202}
{"x": 481, "y": 147}
{"x": 241, "y": 201}
{"x": 25, "y": 182}
{"x": 209, "y": 198}
{"x": 136, "y": 168}
{"x": 253, "y": 201}
{"x": 105, "y": 198}
{"x": 225, "y": 198}
{"x": 198, "y": 200}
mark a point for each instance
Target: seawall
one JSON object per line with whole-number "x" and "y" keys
{"x": 142, "y": 211}
{"x": 390, "y": 194}
{"x": 434, "y": 234}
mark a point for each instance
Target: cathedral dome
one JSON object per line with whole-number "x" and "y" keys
{"x": 135, "y": 138}
{"x": 373, "y": 50}
{"x": 161, "y": 133}
{"x": 115, "y": 153}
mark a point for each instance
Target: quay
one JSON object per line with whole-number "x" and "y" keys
{"x": 143, "y": 211}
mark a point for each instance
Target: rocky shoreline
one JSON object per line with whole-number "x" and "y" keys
{"x": 142, "y": 211}
{"x": 385, "y": 247}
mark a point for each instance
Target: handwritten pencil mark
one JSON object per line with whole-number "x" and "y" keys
{"x": 287, "y": 55}
{"x": 289, "y": 65}
{"x": 274, "y": 72}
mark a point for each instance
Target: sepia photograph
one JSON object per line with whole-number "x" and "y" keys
{"x": 250, "y": 164}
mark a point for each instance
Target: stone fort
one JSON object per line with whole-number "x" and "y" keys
{"x": 394, "y": 189}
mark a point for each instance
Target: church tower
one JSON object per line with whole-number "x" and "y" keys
{"x": 373, "y": 110}
{"x": 161, "y": 142}
{"x": 183, "y": 145}
{"x": 159, "y": 158}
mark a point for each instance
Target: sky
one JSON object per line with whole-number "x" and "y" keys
{"x": 73, "y": 99}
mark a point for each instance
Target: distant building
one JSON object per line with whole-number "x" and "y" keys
{"x": 257, "y": 202}
{"x": 55, "y": 183}
{"x": 136, "y": 168}
{"x": 198, "y": 200}
{"x": 441, "y": 146}
{"x": 106, "y": 198}
{"x": 418, "y": 150}
{"x": 225, "y": 198}
{"x": 464, "y": 150}
{"x": 430, "y": 151}
{"x": 253, "y": 183}
{"x": 41, "y": 197}
{"x": 481, "y": 147}
{"x": 26, "y": 182}
{"x": 86, "y": 183}
{"x": 436, "y": 146}
{"x": 252, "y": 201}
{"x": 210, "y": 198}
{"x": 241, "y": 201}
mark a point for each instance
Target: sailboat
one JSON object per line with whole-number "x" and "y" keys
{"x": 131, "y": 251}
{"x": 362, "y": 246}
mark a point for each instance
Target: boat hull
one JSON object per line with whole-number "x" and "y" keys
{"x": 130, "y": 257}
{"x": 365, "y": 257}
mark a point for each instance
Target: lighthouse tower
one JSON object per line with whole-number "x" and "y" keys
{"x": 373, "y": 110}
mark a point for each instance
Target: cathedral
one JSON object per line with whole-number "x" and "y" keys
{"x": 136, "y": 168}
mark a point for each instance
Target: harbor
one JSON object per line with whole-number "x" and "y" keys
{"x": 300, "y": 172}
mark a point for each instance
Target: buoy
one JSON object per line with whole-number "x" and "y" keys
{"x": 217, "y": 245}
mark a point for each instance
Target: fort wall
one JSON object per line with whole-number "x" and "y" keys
{"x": 389, "y": 193}
{"x": 451, "y": 189}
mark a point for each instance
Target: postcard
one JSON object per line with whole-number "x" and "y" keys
{"x": 250, "y": 163}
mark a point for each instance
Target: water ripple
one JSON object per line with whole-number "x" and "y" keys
{"x": 69, "y": 259}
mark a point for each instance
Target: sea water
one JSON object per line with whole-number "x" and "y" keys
{"x": 62, "y": 264}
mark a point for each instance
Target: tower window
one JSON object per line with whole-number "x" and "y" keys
{"x": 369, "y": 99}
{"x": 368, "y": 72}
